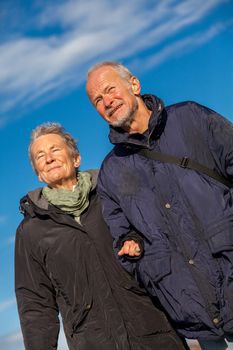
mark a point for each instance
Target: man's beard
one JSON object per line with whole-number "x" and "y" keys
{"x": 127, "y": 119}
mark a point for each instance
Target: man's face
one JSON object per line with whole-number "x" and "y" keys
{"x": 114, "y": 98}
{"x": 53, "y": 161}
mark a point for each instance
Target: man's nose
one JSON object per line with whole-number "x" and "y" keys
{"x": 107, "y": 99}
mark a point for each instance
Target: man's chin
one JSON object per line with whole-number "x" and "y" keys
{"x": 124, "y": 123}
{"x": 116, "y": 124}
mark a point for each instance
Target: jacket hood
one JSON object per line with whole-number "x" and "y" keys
{"x": 35, "y": 201}
{"x": 156, "y": 124}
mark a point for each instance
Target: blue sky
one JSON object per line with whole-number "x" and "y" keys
{"x": 180, "y": 50}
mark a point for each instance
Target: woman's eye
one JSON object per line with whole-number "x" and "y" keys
{"x": 40, "y": 156}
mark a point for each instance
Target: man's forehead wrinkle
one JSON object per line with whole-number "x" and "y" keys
{"x": 99, "y": 90}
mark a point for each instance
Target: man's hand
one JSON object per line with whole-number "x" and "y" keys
{"x": 130, "y": 248}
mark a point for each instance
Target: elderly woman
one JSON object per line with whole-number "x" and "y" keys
{"x": 64, "y": 263}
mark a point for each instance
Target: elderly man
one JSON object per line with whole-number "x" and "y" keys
{"x": 64, "y": 263}
{"x": 167, "y": 198}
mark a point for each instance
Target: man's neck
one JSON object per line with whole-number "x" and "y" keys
{"x": 140, "y": 123}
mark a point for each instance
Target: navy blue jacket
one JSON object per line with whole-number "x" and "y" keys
{"x": 184, "y": 217}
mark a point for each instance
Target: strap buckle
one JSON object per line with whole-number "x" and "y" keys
{"x": 184, "y": 162}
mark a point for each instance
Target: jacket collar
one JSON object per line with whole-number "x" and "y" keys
{"x": 156, "y": 125}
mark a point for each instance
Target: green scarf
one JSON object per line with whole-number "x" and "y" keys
{"x": 74, "y": 201}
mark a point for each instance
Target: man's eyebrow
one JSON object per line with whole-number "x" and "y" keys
{"x": 105, "y": 89}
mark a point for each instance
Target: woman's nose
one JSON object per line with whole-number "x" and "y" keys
{"x": 49, "y": 157}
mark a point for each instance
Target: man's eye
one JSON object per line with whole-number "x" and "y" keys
{"x": 111, "y": 90}
{"x": 97, "y": 101}
{"x": 56, "y": 149}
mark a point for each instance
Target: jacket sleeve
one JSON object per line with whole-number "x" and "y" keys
{"x": 120, "y": 228}
{"x": 220, "y": 138}
{"x": 216, "y": 132}
{"x": 38, "y": 311}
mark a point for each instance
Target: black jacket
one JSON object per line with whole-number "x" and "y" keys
{"x": 61, "y": 266}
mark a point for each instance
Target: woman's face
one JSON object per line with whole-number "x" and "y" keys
{"x": 53, "y": 161}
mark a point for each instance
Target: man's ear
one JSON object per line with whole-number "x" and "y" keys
{"x": 135, "y": 84}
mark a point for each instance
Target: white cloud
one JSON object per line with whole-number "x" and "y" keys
{"x": 3, "y": 219}
{"x": 71, "y": 35}
{"x": 7, "y": 242}
{"x": 12, "y": 341}
{"x": 180, "y": 47}
{"x": 7, "y": 303}
{"x": 10, "y": 240}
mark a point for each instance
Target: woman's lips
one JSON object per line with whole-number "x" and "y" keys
{"x": 53, "y": 168}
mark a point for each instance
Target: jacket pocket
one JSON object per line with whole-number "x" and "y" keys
{"x": 157, "y": 268}
{"x": 79, "y": 318}
{"x": 219, "y": 235}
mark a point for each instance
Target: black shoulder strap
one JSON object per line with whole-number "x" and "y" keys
{"x": 184, "y": 162}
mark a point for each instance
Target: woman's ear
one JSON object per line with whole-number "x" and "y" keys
{"x": 77, "y": 161}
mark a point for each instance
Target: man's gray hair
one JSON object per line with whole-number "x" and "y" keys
{"x": 118, "y": 67}
{"x": 52, "y": 128}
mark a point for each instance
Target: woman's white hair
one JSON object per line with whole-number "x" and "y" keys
{"x": 52, "y": 128}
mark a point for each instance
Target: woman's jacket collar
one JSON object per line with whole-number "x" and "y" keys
{"x": 34, "y": 201}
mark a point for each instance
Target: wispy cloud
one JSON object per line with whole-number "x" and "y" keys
{"x": 3, "y": 219}
{"x": 10, "y": 240}
{"x": 5, "y": 238}
{"x": 7, "y": 303}
{"x": 180, "y": 47}
{"x": 59, "y": 41}
{"x": 12, "y": 341}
